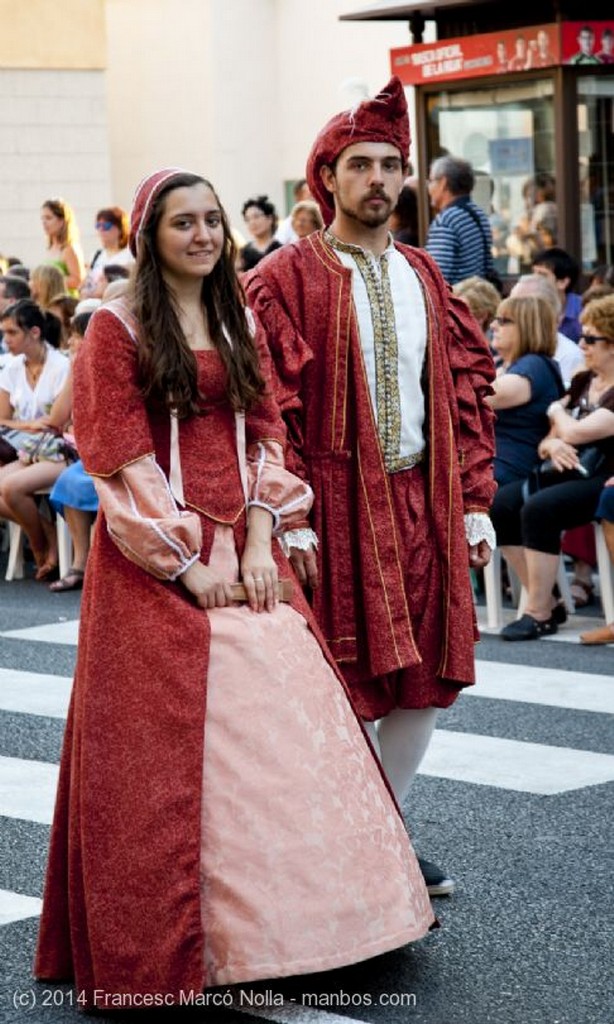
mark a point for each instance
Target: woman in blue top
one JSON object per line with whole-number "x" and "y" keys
{"x": 524, "y": 337}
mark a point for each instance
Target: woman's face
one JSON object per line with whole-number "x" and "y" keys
{"x": 15, "y": 337}
{"x": 504, "y": 336}
{"x": 598, "y": 355}
{"x": 52, "y": 225}
{"x": 259, "y": 224}
{"x": 35, "y": 287}
{"x": 108, "y": 233}
{"x": 190, "y": 236}
{"x": 303, "y": 223}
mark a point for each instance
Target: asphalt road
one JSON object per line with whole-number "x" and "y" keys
{"x": 515, "y": 801}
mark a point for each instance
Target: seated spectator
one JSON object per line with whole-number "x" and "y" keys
{"x": 568, "y": 355}
{"x": 29, "y": 385}
{"x": 603, "y": 274}
{"x": 46, "y": 281}
{"x": 73, "y": 495}
{"x": 11, "y": 290}
{"x": 605, "y": 514}
{"x": 260, "y": 218}
{"x": 113, "y": 230}
{"x": 482, "y": 298}
{"x": 63, "y": 306}
{"x": 18, "y": 270}
{"x": 306, "y": 218}
{"x": 524, "y": 337}
{"x": 285, "y": 232}
{"x": 581, "y": 427}
{"x": 563, "y": 271}
{"x": 404, "y": 217}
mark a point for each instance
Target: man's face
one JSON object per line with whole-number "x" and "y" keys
{"x": 560, "y": 284}
{"x": 607, "y": 42}
{"x": 366, "y": 182}
{"x": 586, "y": 41}
{"x": 437, "y": 186}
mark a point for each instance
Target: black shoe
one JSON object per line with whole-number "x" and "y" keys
{"x": 559, "y": 613}
{"x": 437, "y": 883}
{"x": 528, "y": 628}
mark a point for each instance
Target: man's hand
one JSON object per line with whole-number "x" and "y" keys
{"x": 306, "y": 566}
{"x": 479, "y": 555}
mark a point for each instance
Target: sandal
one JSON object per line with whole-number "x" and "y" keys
{"x": 73, "y": 580}
{"x": 581, "y": 592}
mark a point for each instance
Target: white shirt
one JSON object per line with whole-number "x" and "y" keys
{"x": 30, "y": 403}
{"x": 569, "y": 356}
{"x": 410, "y": 323}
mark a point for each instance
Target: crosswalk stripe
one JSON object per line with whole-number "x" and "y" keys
{"x": 580, "y": 691}
{"x": 33, "y": 693}
{"x": 65, "y": 632}
{"x": 296, "y": 1013}
{"x": 27, "y": 789}
{"x": 15, "y": 907}
{"x": 513, "y": 764}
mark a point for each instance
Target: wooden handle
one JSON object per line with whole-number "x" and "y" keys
{"x": 285, "y": 587}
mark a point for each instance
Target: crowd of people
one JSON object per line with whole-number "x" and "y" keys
{"x": 323, "y": 407}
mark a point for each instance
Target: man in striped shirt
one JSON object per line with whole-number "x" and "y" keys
{"x": 459, "y": 239}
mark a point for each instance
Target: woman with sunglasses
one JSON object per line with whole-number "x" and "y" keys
{"x": 529, "y": 531}
{"x": 113, "y": 232}
{"x": 220, "y": 815}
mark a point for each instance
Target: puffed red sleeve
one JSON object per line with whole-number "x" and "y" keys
{"x": 273, "y": 487}
{"x": 473, "y": 371}
{"x": 109, "y": 416}
{"x": 144, "y": 521}
{"x": 114, "y": 439}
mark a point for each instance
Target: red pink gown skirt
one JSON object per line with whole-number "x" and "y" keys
{"x": 305, "y": 862}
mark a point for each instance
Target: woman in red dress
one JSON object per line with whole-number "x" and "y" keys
{"x": 220, "y": 816}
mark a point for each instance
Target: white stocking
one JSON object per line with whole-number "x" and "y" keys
{"x": 403, "y": 737}
{"x": 371, "y": 731}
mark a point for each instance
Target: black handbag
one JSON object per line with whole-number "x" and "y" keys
{"x": 591, "y": 462}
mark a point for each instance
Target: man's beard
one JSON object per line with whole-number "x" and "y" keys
{"x": 370, "y": 218}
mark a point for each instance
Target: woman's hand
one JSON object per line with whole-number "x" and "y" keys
{"x": 206, "y": 586}
{"x": 563, "y": 455}
{"x": 259, "y": 574}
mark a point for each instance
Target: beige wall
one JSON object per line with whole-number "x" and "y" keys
{"x": 52, "y": 34}
{"x": 236, "y": 89}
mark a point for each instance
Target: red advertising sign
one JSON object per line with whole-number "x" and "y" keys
{"x": 476, "y": 56}
{"x": 587, "y": 42}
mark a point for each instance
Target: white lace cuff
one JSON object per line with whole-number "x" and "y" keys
{"x": 479, "y": 527}
{"x": 304, "y": 540}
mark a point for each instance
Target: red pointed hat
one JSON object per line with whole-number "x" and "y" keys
{"x": 144, "y": 197}
{"x": 381, "y": 119}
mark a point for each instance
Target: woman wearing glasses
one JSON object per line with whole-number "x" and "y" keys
{"x": 524, "y": 339}
{"x": 580, "y": 447}
{"x": 113, "y": 230}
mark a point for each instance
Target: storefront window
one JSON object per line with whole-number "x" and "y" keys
{"x": 507, "y": 134}
{"x": 596, "y": 154}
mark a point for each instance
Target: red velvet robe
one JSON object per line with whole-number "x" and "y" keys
{"x": 303, "y": 296}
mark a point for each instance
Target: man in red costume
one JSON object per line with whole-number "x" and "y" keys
{"x": 382, "y": 376}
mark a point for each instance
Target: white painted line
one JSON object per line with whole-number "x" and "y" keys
{"x": 296, "y": 1013}
{"x": 27, "y": 789}
{"x": 15, "y": 907}
{"x": 31, "y": 693}
{"x": 512, "y": 764}
{"x": 580, "y": 691}
{"x": 53, "y": 633}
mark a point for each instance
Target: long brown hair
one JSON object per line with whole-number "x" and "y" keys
{"x": 167, "y": 364}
